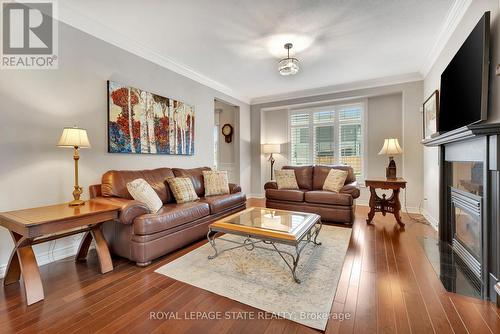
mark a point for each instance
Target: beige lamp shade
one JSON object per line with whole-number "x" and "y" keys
{"x": 391, "y": 147}
{"x": 272, "y": 148}
{"x": 72, "y": 137}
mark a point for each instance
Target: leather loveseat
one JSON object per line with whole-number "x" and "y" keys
{"x": 334, "y": 207}
{"x": 141, "y": 236}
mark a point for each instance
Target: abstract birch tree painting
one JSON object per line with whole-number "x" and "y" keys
{"x": 141, "y": 122}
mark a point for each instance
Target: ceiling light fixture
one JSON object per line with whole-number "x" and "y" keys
{"x": 288, "y": 66}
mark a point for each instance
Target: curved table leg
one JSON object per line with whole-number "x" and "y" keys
{"x": 212, "y": 243}
{"x": 31, "y": 275}
{"x": 13, "y": 272}
{"x": 318, "y": 229}
{"x": 397, "y": 207}
{"x": 102, "y": 250}
{"x": 373, "y": 198}
{"x": 295, "y": 264}
{"x": 84, "y": 247}
{"x": 23, "y": 262}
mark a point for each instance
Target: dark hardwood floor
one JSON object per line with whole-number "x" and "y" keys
{"x": 387, "y": 286}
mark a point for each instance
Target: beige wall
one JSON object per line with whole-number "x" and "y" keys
{"x": 392, "y": 111}
{"x": 36, "y": 105}
{"x": 432, "y": 82}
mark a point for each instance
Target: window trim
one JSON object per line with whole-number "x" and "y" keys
{"x": 335, "y": 106}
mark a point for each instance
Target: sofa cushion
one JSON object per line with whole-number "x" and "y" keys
{"x": 141, "y": 191}
{"x": 335, "y": 180}
{"x": 169, "y": 216}
{"x": 321, "y": 172}
{"x": 328, "y": 197}
{"x": 285, "y": 179}
{"x": 114, "y": 182}
{"x": 215, "y": 183}
{"x": 285, "y": 195}
{"x": 219, "y": 203}
{"x": 196, "y": 176}
{"x": 304, "y": 176}
{"x": 182, "y": 188}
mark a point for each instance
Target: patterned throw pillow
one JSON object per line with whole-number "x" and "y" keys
{"x": 142, "y": 191}
{"x": 215, "y": 183}
{"x": 183, "y": 189}
{"x": 335, "y": 180}
{"x": 285, "y": 179}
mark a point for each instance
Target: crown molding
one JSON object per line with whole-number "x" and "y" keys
{"x": 365, "y": 84}
{"x": 455, "y": 15}
{"x": 94, "y": 28}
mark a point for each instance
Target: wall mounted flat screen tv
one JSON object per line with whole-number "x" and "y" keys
{"x": 464, "y": 82}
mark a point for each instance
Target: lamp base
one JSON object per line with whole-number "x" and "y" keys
{"x": 77, "y": 192}
{"x": 272, "y": 160}
{"x": 76, "y": 202}
{"x": 390, "y": 171}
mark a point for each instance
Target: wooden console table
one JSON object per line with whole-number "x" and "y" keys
{"x": 384, "y": 205}
{"x": 33, "y": 226}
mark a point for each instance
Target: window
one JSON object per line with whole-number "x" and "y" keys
{"x": 300, "y": 138}
{"x": 328, "y": 135}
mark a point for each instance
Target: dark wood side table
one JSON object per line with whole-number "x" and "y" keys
{"x": 37, "y": 225}
{"x": 384, "y": 205}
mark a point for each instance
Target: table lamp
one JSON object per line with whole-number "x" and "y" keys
{"x": 75, "y": 138}
{"x": 272, "y": 149}
{"x": 391, "y": 148}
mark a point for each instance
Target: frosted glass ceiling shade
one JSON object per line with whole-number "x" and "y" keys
{"x": 72, "y": 137}
{"x": 272, "y": 148}
{"x": 391, "y": 147}
{"x": 288, "y": 66}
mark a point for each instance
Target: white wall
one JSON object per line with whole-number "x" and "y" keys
{"x": 392, "y": 111}
{"x": 37, "y": 104}
{"x": 432, "y": 82}
{"x": 227, "y": 151}
{"x": 274, "y": 131}
{"x": 384, "y": 120}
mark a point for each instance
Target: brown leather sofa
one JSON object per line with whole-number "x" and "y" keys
{"x": 141, "y": 236}
{"x": 333, "y": 207}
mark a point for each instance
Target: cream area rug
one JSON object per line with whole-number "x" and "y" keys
{"x": 261, "y": 279}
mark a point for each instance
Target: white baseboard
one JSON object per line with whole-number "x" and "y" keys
{"x": 257, "y": 196}
{"x": 361, "y": 202}
{"x": 433, "y": 221}
{"x": 49, "y": 256}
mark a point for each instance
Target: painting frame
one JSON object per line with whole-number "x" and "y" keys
{"x": 141, "y": 122}
{"x": 430, "y": 117}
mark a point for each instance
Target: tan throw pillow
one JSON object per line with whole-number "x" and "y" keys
{"x": 215, "y": 183}
{"x": 335, "y": 180}
{"x": 142, "y": 191}
{"x": 183, "y": 189}
{"x": 285, "y": 179}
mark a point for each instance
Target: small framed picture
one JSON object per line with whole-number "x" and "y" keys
{"x": 431, "y": 112}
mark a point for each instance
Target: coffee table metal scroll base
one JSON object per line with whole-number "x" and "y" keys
{"x": 252, "y": 242}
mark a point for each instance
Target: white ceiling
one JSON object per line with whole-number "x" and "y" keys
{"x": 234, "y": 45}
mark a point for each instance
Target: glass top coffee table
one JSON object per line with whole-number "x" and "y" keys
{"x": 269, "y": 227}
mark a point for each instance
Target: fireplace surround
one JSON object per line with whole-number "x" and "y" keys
{"x": 469, "y": 163}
